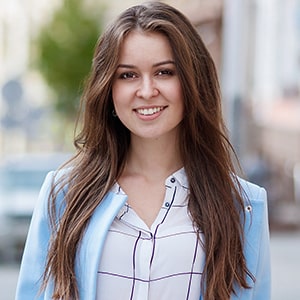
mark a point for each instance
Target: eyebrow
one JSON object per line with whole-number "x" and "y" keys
{"x": 166, "y": 62}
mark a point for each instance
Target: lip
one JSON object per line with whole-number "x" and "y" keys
{"x": 149, "y": 113}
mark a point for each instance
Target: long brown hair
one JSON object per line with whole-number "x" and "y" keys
{"x": 215, "y": 200}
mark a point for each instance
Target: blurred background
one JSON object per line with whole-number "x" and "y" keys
{"x": 46, "y": 49}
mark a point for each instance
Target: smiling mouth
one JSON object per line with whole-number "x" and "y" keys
{"x": 149, "y": 111}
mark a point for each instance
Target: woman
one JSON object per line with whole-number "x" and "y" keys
{"x": 150, "y": 207}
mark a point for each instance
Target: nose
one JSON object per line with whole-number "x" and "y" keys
{"x": 147, "y": 89}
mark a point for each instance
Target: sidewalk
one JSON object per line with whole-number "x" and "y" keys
{"x": 285, "y": 248}
{"x": 8, "y": 281}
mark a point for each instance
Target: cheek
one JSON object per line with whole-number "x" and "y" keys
{"x": 114, "y": 92}
{"x": 116, "y": 96}
{"x": 178, "y": 97}
{"x": 121, "y": 94}
{"x": 181, "y": 97}
{"x": 121, "y": 102}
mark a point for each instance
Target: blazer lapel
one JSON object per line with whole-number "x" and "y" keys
{"x": 91, "y": 246}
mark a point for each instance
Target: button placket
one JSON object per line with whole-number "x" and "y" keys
{"x": 171, "y": 180}
{"x": 144, "y": 255}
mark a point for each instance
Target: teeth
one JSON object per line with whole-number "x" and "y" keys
{"x": 149, "y": 111}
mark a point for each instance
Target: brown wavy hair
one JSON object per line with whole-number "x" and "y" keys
{"x": 215, "y": 200}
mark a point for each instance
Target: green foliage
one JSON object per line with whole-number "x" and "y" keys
{"x": 65, "y": 49}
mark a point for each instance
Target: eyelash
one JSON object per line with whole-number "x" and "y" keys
{"x": 132, "y": 75}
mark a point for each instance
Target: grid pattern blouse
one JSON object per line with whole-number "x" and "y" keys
{"x": 161, "y": 262}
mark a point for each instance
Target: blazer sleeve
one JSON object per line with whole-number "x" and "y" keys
{"x": 262, "y": 286}
{"x": 36, "y": 248}
{"x": 257, "y": 244}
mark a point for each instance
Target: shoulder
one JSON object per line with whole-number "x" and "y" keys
{"x": 56, "y": 178}
{"x": 255, "y": 201}
{"x": 57, "y": 175}
{"x": 55, "y": 181}
{"x": 251, "y": 192}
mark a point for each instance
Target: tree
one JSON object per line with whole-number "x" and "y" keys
{"x": 64, "y": 53}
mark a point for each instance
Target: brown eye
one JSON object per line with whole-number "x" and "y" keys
{"x": 127, "y": 75}
{"x": 165, "y": 72}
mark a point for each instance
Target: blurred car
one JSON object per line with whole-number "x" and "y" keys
{"x": 21, "y": 178}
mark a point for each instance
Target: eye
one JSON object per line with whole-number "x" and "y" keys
{"x": 127, "y": 75}
{"x": 165, "y": 72}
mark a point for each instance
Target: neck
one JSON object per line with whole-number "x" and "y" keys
{"x": 153, "y": 158}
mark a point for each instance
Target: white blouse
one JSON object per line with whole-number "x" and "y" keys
{"x": 163, "y": 262}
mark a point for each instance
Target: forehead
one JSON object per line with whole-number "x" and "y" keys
{"x": 145, "y": 45}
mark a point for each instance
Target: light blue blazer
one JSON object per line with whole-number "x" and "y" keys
{"x": 87, "y": 261}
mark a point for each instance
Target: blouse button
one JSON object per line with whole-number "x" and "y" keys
{"x": 172, "y": 180}
{"x": 167, "y": 204}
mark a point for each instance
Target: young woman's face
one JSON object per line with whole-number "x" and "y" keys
{"x": 146, "y": 91}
